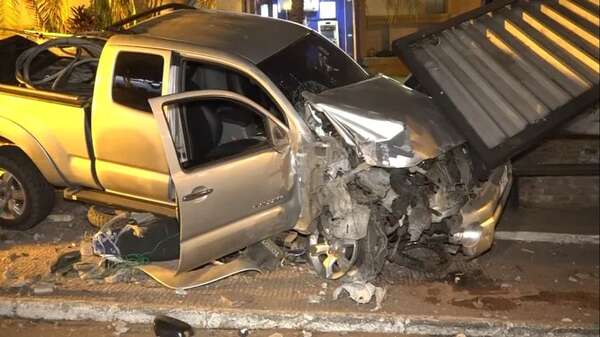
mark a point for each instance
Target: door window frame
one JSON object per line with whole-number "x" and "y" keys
{"x": 167, "y": 136}
{"x": 259, "y": 148}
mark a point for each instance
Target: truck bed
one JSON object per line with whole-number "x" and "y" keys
{"x": 508, "y": 73}
{"x": 45, "y": 63}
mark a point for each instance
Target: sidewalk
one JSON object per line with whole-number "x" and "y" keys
{"x": 518, "y": 289}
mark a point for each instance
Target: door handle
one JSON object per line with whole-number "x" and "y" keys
{"x": 198, "y": 192}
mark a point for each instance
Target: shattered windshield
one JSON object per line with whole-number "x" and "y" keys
{"x": 311, "y": 64}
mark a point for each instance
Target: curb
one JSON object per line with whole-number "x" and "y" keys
{"x": 57, "y": 309}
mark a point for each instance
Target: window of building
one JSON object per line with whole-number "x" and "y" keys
{"x": 137, "y": 78}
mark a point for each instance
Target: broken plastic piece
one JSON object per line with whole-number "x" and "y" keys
{"x": 165, "y": 326}
{"x": 65, "y": 262}
{"x": 361, "y": 293}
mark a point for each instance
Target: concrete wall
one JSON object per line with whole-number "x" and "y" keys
{"x": 561, "y": 192}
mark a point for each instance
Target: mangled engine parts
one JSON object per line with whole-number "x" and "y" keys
{"x": 372, "y": 215}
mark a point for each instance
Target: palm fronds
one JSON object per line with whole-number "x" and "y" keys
{"x": 51, "y": 15}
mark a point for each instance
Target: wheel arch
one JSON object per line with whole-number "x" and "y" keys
{"x": 13, "y": 135}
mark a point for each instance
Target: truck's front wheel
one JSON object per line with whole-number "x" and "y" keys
{"x": 26, "y": 198}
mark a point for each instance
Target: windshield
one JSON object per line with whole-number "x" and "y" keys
{"x": 311, "y": 64}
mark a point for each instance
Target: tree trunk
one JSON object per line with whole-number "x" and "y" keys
{"x": 297, "y": 11}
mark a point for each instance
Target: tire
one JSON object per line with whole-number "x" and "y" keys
{"x": 24, "y": 177}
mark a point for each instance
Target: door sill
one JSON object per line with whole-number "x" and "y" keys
{"x": 119, "y": 201}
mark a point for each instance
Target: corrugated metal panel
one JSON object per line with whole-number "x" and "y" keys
{"x": 509, "y": 72}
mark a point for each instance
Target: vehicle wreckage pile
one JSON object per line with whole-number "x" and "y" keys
{"x": 371, "y": 215}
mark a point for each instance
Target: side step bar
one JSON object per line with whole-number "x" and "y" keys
{"x": 119, "y": 201}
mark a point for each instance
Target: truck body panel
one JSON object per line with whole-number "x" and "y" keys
{"x": 129, "y": 155}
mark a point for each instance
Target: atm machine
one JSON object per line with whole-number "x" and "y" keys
{"x": 328, "y": 23}
{"x": 329, "y": 29}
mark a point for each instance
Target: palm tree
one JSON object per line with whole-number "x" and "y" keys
{"x": 297, "y": 11}
{"x": 52, "y": 16}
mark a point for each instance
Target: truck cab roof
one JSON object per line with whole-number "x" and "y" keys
{"x": 252, "y": 37}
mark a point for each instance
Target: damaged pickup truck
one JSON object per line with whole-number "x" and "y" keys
{"x": 195, "y": 115}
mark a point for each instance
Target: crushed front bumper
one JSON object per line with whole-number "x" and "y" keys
{"x": 481, "y": 214}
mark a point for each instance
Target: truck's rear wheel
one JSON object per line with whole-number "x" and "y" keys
{"x": 26, "y": 198}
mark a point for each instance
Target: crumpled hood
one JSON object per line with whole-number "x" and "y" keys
{"x": 389, "y": 125}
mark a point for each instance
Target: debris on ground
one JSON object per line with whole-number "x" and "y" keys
{"x": 120, "y": 328}
{"x": 314, "y": 299}
{"x": 43, "y": 288}
{"x": 165, "y": 326}
{"x": 153, "y": 240}
{"x": 306, "y": 333}
{"x": 120, "y": 276}
{"x": 361, "y": 293}
{"x": 528, "y": 251}
{"x": 60, "y": 218}
{"x": 583, "y": 276}
{"x": 64, "y": 263}
{"x": 181, "y": 292}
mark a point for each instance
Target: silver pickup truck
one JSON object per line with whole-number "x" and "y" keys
{"x": 241, "y": 127}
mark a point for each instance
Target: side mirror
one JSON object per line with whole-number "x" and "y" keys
{"x": 165, "y": 326}
{"x": 279, "y": 136}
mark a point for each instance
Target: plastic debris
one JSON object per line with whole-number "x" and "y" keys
{"x": 60, "y": 218}
{"x": 120, "y": 328}
{"x": 165, "y": 326}
{"x": 43, "y": 288}
{"x": 64, "y": 263}
{"x": 361, "y": 293}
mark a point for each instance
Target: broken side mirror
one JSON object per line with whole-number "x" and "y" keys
{"x": 165, "y": 326}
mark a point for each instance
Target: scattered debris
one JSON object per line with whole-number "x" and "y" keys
{"x": 529, "y": 251}
{"x": 583, "y": 276}
{"x": 38, "y": 236}
{"x": 566, "y": 320}
{"x": 165, "y": 326}
{"x": 314, "y": 299}
{"x": 120, "y": 328}
{"x": 122, "y": 275}
{"x": 43, "y": 288}
{"x": 86, "y": 248}
{"x": 573, "y": 279}
{"x": 64, "y": 263}
{"x": 181, "y": 292}
{"x": 379, "y": 297}
{"x": 156, "y": 240}
{"x": 306, "y": 333}
{"x": 60, "y": 218}
{"x": 361, "y": 293}
{"x": 244, "y": 333}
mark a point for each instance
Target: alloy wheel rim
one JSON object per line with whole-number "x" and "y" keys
{"x": 12, "y": 196}
{"x": 332, "y": 259}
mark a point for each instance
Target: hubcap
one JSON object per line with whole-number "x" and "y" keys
{"x": 332, "y": 259}
{"x": 12, "y": 196}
